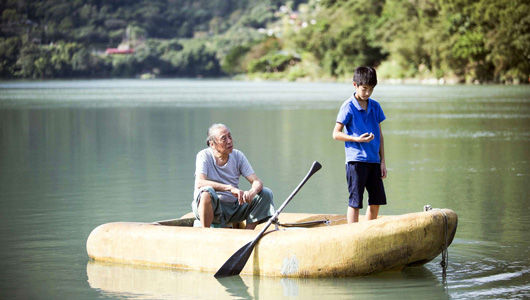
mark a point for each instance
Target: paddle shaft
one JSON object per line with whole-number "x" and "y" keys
{"x": 237, "y": 261}
{"x": 314, "y": 168}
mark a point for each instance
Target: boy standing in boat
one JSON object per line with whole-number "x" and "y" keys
{"x": 217, "y": 198}
{"x": 365, "y": 154}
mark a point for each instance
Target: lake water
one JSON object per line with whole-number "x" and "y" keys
{"x": 77, "y": 154}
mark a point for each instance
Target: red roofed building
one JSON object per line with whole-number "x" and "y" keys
{"x": 119, "y": 51}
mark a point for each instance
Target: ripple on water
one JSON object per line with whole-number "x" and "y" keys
{"x": 459, "y": 134}
{"x": 476, "y": 272}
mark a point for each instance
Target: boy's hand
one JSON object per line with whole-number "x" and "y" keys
{"x": 383, "y": 170}
{"x": 366, "y": 137}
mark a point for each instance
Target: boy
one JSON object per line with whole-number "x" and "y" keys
{"x": 365, "y": 154}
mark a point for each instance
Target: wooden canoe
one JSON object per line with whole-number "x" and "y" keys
{"x": 328, "y": 249}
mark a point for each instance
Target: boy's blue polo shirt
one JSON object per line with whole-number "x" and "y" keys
{"x": 358, "y": 121}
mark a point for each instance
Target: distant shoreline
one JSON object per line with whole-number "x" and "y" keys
{"x": 389, "y": 81}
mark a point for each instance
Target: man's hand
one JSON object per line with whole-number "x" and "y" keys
{"x": 243, "y": 196}
{"x": 238, "y": 193}
{"x": 248, "y": 196}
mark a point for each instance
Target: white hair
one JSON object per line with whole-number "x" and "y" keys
{"x": 210, "y": 136}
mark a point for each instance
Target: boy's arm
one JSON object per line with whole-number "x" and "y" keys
{"x": 338, "y": 135}
{"x": 382, "y": 154}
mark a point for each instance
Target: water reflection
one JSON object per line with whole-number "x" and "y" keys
{"x": 141, "y": 282}
{"x": 235, "y": 287}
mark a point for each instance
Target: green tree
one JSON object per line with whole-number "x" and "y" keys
{"x": 275, "y": 62}
{"x": 231, "y": 63}
{"x": 484, "y": 40}
{"x": 81, "y": 61}
{"x": 505, "y": 25}
{"x": 344, "y": 36}
{"x": 9, "y": 49}
{"x": 61, "y": 58}
{"x": 400, "y": 32}
{"x": 195, "y": 59}
{"x": 25, "y": 64}
{"x": 124, "y": 66}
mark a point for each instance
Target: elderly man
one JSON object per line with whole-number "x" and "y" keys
{"x": 217, "y": 199}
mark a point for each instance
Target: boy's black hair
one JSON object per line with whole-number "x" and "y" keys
{"x": 365, "y": 76}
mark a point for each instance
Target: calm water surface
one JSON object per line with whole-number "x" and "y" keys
{"x": 76, "y": 154}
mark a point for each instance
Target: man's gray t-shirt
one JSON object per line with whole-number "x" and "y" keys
{"x": 236, "y": 166}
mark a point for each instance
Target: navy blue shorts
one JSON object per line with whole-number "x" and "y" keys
{"x": 361, "y": 175}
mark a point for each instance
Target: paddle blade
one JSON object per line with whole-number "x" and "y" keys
{"x": 236, "y": 262}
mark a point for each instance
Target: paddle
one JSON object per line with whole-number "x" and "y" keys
{"x": 237, "y": 261}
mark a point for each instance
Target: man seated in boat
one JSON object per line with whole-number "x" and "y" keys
{"x": 217, "y": 198}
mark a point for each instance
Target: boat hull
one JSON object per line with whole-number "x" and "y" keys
{"x": 388, "y": 243}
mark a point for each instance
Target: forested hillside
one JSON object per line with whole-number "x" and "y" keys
{"x": 445, "y": 40}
